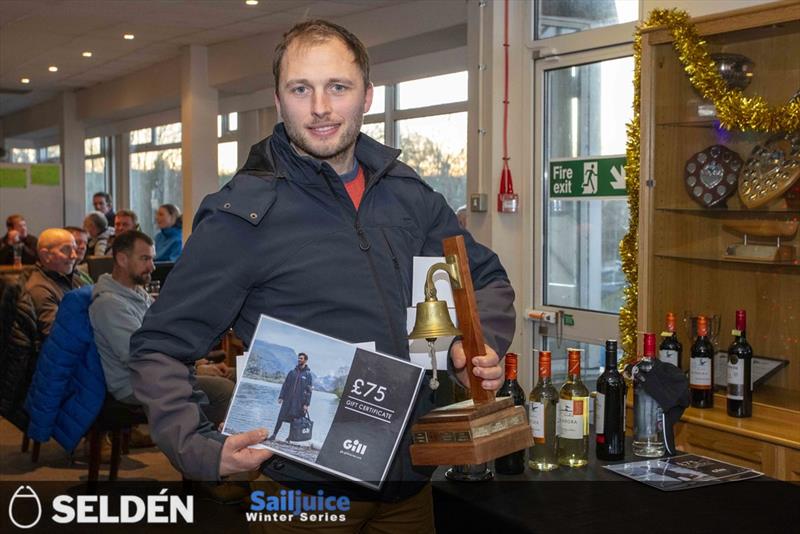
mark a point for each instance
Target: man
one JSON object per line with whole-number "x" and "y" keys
{"x": 119, "y": 303}
{"x": 99, "y": 234}
{"x": 102, "y": 203}
{"x": 52, "y": 277}
{"x": 318, "y": 229}
{"x": 17, "y": 237}
{"x": 295, "y": 395}
{"x": 124, "y": 221}
{"x": 81, "y": 243}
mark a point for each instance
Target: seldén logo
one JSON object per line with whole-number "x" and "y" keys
{"x": 103, "y": 509}
{"x": 23, "y": 498}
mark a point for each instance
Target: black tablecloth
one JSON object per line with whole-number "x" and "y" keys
{"x": 593, "y": 499}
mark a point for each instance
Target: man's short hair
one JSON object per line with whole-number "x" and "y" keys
{"x": 98, "y": 219}
{"x": 124, "y": 242}
{"x": 104, "y": 195}
{"x": 318, "y": 31}
{"x": 74, "y": 229}
{"x": 304, "y": 355}
{"x": 12, "y": 219}
{"x": 128, "y": 213}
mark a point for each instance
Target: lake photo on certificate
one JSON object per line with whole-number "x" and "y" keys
{"x": 292, "y": 383}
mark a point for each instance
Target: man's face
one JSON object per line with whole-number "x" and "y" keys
{"x": 322, "y": 99}
{"x": 61, "y": 256}
{"x": 81, "y": 244}
{"x": 140, "y": 264}
{"x": 123, "y": 223}
{"x": 301, "y": 360}
{"x": 21, "y": 227}
{"x": 100, "y": 204}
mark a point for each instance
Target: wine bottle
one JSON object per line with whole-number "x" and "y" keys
{"x": 740, "y": 361}
{"x": 648, "y": 423}
{"x": 573, "y": 415}
{"x": 514, "y": 463}
{"x": 701, "y": 368}
{"x": 670, "y": 349}
{"x": 609, "y": 409}
{"x": 542, "y": 410}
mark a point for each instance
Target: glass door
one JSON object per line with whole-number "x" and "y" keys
{"x": 583, "y": 102}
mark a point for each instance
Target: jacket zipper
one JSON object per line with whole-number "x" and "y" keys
{"x": 397, "y": 271}
{"x": 364, "y": 245}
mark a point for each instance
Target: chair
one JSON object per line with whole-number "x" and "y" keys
{"x": 116, "y": 418}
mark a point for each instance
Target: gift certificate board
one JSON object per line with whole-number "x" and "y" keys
{"x": 325, "y": 403}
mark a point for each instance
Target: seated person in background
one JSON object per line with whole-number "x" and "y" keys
{"x": 52, "y": 277}
{"x": 99, "y": 232}
{"x": 119, "y": 303}
{"x": 81, "y": 243}
{"x": 169, "y": 241}
{"x": 102, "y": 203}
{"x": 17, "y": 237}
{"x": 124, "y": 221}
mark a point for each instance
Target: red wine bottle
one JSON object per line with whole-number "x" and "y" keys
{"x": 609, "y": 409}
{"x": 670, "y": 349}
{"x": 701, "y": 368}
{"x": 514, "y": 463}
{"x": 740, "y": 361}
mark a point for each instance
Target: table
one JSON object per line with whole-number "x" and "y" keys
{"x": 592, "y": 499}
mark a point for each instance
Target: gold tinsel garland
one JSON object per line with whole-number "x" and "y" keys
{"x": 734, "y": 112}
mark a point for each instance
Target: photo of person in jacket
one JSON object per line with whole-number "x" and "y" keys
{"x": 295, "y": 395}
{"x": 319, "y": 229}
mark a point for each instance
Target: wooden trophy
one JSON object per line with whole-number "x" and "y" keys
{"x": 773, "y": 252}
{"x": 481, "y": 428}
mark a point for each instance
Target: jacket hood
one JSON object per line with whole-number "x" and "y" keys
{"x": 107, "y": 286}
{"x": 171, "y": 231}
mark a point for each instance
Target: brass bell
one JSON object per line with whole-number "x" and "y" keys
{"x": 433, "y": 321}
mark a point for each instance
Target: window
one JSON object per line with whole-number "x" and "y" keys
{"x": 426, "y": 119}
{"x": 227, "y": 156}
{"x": 155, "y": 172}
{"x": 23, "y": 155}
{"x": 96, "y": 167}
{"x": 559, "y": 17}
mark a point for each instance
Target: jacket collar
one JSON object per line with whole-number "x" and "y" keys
{"x": 276, "y": 156}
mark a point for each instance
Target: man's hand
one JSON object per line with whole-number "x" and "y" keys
{"x": 486, "y": 367}
{"x": 236, "y": 457}
{"x": 305, "y": 407}
{"x": 13, "y": 237}
{"x": 208, "y": 369}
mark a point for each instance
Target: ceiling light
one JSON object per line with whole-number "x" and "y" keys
{"x": 128, "y": 36}
{"x": 251, "y": 2}
{"x": 87, "y": 54}
{"x": 52, "y": 68}
{"x": 25, "y": 80}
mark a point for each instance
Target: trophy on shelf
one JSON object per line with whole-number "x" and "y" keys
{"x": 736, "y": 70}
{"x": 482, "y": 427}
{"x": 771, "y": 170}
{"x": 711, "y": 175}
{"x": 773, "y": 231}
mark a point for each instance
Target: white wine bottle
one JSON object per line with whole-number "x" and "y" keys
{"x": 542, "y": 410}
{"x": 573, "y": 415}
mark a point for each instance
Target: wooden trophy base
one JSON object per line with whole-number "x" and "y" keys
{"x": 765, "y": 253}
{"x": 469, "y": 433}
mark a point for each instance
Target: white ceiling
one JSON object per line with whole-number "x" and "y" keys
{"x": 35, "y": 34}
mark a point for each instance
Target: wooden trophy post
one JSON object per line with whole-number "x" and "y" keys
{"x": 481, "y": 428}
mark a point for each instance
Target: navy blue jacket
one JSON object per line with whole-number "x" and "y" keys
{"x": 284, "y": 239}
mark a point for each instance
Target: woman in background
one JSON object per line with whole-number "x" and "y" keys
{"x": 169, "y": 241}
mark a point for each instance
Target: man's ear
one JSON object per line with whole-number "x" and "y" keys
{"x": 277, "y": 102}
{"x": 368, "y": 98}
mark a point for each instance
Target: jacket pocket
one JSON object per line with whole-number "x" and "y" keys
{"x": 398, "y": 271}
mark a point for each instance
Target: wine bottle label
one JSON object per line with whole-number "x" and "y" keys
{"x": 700, "y": 373}
{"x": 599, "y": 413}
{"x": 573, "y": 417}
{"x": 668, "y": 356}
{"x": 736, "y": 379}
{"x": 536, "y": 419}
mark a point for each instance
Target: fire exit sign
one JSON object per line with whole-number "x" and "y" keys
{"x": 588, "y": 177}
